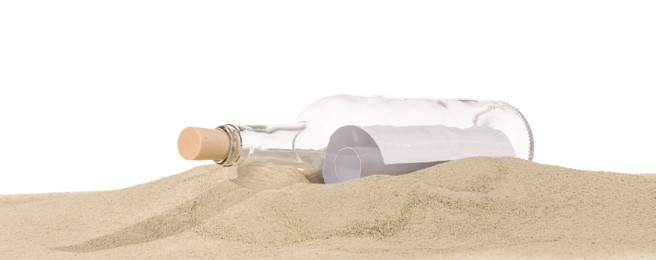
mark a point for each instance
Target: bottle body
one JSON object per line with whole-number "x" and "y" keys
{"x": 303, "y": 143}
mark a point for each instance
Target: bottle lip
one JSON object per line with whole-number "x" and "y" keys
{"x": 235, "y": 145}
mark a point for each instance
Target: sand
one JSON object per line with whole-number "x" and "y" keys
{"x": 471, "y": 208}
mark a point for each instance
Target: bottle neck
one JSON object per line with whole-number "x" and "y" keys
{"x": 262, "y": 144}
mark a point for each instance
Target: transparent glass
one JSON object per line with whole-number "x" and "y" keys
{"x": 303, "y": 143}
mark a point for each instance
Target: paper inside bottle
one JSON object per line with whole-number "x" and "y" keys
{"x": 358, "y": 151}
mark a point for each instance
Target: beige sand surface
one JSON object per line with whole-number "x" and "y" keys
{"x": 472, "y": 208}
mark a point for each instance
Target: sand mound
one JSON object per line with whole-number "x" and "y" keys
{"x": 474, "y": 207}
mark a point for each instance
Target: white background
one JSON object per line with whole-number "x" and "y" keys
{"x": 94, "y": 93}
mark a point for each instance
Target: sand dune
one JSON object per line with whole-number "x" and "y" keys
{"x": 478, "y": 207}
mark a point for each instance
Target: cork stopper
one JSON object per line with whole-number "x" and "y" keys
{"x": 195, "y": 143}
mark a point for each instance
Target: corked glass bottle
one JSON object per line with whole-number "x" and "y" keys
{"x": 303, "y": 143}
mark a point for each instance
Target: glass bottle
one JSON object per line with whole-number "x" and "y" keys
{"x": 303, "y": 144}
